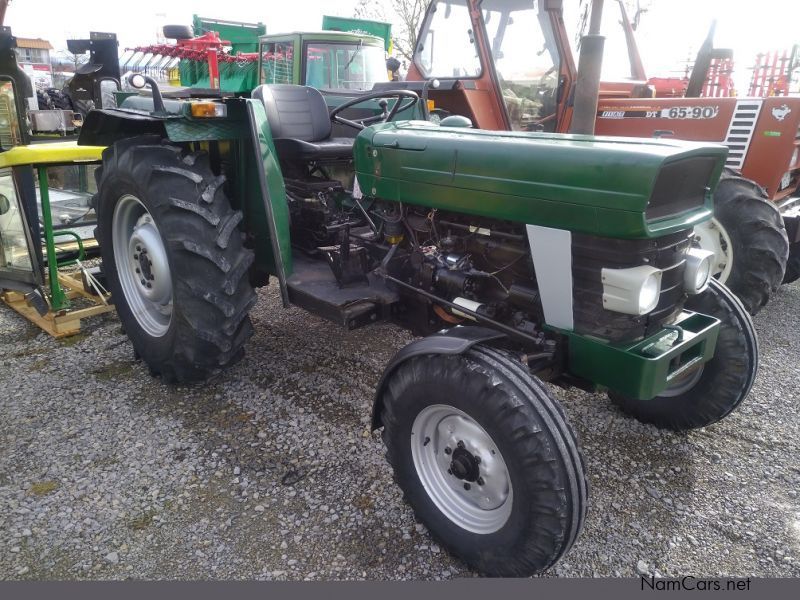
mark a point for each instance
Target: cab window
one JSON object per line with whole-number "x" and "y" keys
{"x": 527, "y": 63}
{"x": 14, "y": 254}
{"x": 446, "y": 48}
{"x": 10, "y": 134}
{"x": 344, "y": 66}
{"x": 277, "y": 62}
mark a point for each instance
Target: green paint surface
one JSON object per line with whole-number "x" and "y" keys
{"x": 587, "y": 184}
{"x": 642, "y": 370}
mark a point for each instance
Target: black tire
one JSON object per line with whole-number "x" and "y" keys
{"x": 725, "y": 380}
{"x": 211, "y": 294}
{"x": 178, "y": 32}
{"x": 59, "y": 99}
{"x": 83, "y": 107}
{"x": 793, "y": 264}
{"x": 757, "y": 232}
{"x": 533, "y": 436}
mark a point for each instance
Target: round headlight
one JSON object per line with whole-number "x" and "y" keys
{"x": 698, "y": 270}
{"x": 703, "y": 275}
{"x": 648, "y": 295}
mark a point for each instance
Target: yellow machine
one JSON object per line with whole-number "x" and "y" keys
{"x": 46, "y": 226}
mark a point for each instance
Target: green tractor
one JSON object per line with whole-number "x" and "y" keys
{"x": 518, "y": 258}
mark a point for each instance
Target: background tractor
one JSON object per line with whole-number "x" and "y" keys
{"x": 509, "y": 65}
{"x": 520, "y": 258}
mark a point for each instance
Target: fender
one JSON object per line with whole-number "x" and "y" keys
{"x": 104, "y": 127}
{"x": 451, "y": 342}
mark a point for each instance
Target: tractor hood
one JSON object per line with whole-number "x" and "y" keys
{"x": 614, "y": 187}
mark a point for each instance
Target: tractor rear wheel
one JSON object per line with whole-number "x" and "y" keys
{"x": 752, "y": 239}
{"x": 713, "y": 391}
{"x": 174, "y": 258}
{"x": 486, "y": 458}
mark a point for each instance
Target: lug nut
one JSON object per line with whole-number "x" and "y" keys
{"x": 143, "y": 281}
{"x": 135, "y": 257}
{"x": 149, "y": 285}
{"x": 448, "y": 451}
{"x": 477, "y": 460}
{"x": 480, "y": 481}
{"x": 467, "y": 486}
{"x": 461, "y": 444}
{"x": 138, "y": 248}
{"x": 138, "y": 271}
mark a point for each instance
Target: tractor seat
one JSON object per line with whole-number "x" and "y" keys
{"x": 300, "y": 124}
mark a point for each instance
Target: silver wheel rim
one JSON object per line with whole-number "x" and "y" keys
{"x": 713, "y": 237}
{"x": 142, "y": 265}
{"x": 474, "y": 494}
{"x": 683, "y": 383}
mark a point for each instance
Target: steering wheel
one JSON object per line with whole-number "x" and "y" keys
{"x": 386, "y": 115}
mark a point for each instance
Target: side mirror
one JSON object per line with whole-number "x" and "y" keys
{"x": 5, "y": 205}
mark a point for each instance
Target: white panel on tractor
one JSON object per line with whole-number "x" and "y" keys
{"x": 552, "y": 261}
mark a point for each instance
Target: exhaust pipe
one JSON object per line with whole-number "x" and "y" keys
{"x": 590, "y": 64}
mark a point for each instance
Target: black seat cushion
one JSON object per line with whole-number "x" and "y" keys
{"x": 300, "y": 123}
{"x": 330, "y": 149}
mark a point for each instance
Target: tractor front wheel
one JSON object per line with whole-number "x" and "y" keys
{"x": 486, "y": 458}
{"x": 174, "y": 258}
{"x": 711, "y": 392}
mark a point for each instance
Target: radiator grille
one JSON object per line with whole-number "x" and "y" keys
{"x": 591, "y": 254}
{"x": 741, "y": 130}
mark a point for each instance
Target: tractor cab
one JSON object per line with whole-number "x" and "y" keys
{"x": 46, "y": 215}
{"x": 341, "y": 65}
{"x": 502, "y": 66}
{"x": 332, "y": 61}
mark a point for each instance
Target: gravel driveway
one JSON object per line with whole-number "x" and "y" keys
{"x": 270, "y": 471}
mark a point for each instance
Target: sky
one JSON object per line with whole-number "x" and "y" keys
{"x": 671, "y": 31}
{"x": 137, "y": 22}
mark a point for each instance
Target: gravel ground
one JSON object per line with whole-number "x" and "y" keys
{"x": 270, "y": 472}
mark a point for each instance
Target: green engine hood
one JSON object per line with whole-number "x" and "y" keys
{"x": 595, "y": 185}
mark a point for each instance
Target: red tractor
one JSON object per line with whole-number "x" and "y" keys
{"x": 509, "y": 64}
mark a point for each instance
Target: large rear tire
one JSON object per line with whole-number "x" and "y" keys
{"x": 715, "y": 390}
{"x": 174, "y": 258}
{"x": 486, "y": 458}
{"x": 755, "y": 229}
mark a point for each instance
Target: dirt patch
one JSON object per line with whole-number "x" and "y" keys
{"x": 42, "y": 488}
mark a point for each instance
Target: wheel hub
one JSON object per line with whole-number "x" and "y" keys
{"x": 149, "y": 261}
{"x": 713, "y": 237}
{"x": 142, "y": 265}
{"x": 464, "y": 465}
{"x": 461, "y": 469}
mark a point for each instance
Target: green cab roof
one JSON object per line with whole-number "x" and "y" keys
{"x": 341, "y": 37}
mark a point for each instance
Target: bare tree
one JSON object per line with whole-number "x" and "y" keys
{"x": 635, "y": 10}
{"x": 404, "y": 15}
{"x": 64, "y": 61}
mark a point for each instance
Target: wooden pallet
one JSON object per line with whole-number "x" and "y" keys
{"x": 65, "y": 322}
